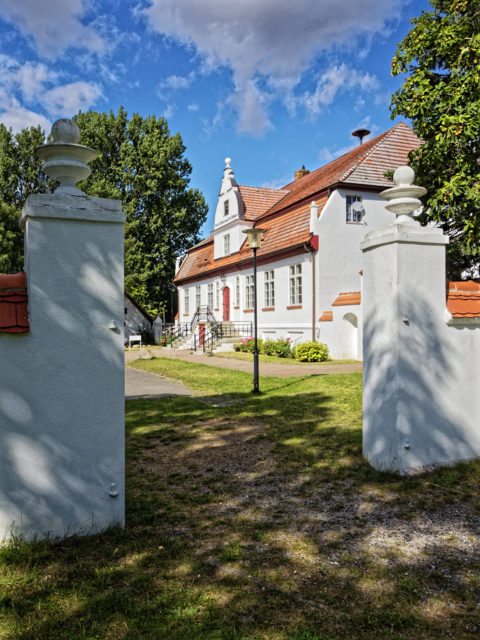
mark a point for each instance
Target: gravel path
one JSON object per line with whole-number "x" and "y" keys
{"x": 143, "y": 384}
{"x": 276, "y": 370}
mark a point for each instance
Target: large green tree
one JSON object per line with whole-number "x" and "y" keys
{"x": 441, "y": 96}
{"x": 20, "y": 174}
{"x": 141, "y": 164}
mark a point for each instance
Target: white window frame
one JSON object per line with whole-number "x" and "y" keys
{"x": 198, "y": 296}
{"x": 226, "y": 244}
{"x": 186, "y": 301}
{"x": 295, "y": 284}
{"x": 249, "y": 293}
{"x": 269, "y": 288}
{"x": 352, "y": 217}
{"x": 237, "y": 291}
{"x": 217, "y": 295}
{"x": 210, "y": 295}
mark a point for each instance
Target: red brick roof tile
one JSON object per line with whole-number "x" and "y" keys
{"x": 13, "y": 303}
{"x": 463, "y": 299}
{"x": 365, "y": 164}
{"x": 286, "y": 230}
{"x": 327, "y": 316}
{"x": 349, "y": 297}
{"x": 257, "y": 200}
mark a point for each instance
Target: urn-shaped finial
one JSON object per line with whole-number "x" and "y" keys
{"x": 404, "y": 197}
{"x": 66, "y": 160}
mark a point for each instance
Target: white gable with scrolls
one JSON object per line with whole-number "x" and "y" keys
{"x": 229, "y": 216}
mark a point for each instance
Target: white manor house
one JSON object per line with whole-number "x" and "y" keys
{"x": 309, "y": 265}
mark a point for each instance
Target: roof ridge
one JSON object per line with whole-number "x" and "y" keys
{"x": 382, "y": 137}
{"x": 264, "y": 188}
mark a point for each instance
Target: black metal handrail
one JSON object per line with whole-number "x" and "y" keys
{"x": 215, "y": 331}
{"x": 182, "y": 330}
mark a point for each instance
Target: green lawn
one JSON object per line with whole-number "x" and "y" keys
{"x": 256, "y": 518}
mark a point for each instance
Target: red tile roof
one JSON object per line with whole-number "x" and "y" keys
{"x": 349, "y": 297}
{"x": 463, "y": 299}
{"x": 257, "y": 200}
{"x": 13, "y": 303}
{"x": 327, "y": 316}
{"x": 284, "y": 231}
{"x": 365, "y": 164}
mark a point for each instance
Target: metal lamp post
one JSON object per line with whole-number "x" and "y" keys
{"x": 254, "y": 238}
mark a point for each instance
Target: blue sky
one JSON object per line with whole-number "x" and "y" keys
{"x": 272, "y": 84}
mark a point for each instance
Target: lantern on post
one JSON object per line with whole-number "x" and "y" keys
{"x": 254, "y": 238}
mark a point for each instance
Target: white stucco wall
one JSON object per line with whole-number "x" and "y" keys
{"x": 237, "y": 238}
{"x": 339, "y": 256}
{"x": 62, "y": 384}
{"x": 421, "y": 375}
{"x": 344, "y": 334}
{"x": 134, "y": 321}
{"x": 337, "y": 266}
{"x": 281, "y": 322}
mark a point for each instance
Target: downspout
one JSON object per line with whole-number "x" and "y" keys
{"x": 312, "y": 251}
{"x": 314, "y": 298}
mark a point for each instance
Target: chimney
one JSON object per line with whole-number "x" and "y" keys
{"x": 299, "y": 173}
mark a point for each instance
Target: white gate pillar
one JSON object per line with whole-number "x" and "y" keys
{"x": 403, "y": 318}
{"x": 62, "y": 384}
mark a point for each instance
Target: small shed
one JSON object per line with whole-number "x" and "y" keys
{"x": 137, "y": 320}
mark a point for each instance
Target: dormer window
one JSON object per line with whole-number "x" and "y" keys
{"x": 226, "y": 244}
{"x": 354, "y": 210}
{"x": 226, "y": 207}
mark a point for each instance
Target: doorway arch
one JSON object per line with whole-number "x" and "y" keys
{"x": 350, "y": 337}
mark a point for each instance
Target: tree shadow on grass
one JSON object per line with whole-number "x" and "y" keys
{"x": 256, "y": 520}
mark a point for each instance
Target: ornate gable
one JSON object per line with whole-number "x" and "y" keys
{"x": 230, "y": 205}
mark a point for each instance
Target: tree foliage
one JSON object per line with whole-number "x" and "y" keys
{"x": 141, "y": 164}
{"x": 138, "y": 162}
{"x": 20, "y": 175}
{"x": 441, "y": 96}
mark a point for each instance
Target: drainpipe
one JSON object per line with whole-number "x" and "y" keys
{"x": 311, "y": 249}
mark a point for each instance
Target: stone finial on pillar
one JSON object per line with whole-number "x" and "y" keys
{"x": 65, "y": 159}
{"x": 403, "y": 198}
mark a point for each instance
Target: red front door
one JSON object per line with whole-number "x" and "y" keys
{"x": 226, "y": 303}
{"x": 201, "y": 334}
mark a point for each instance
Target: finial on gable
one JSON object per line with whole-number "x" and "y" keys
{"x": 227, "y": 163}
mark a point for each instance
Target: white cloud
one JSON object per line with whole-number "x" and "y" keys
{"x": 68, "y": 99}
{"x": 54, "y": 25}
{"x": 19, "y": 118}
{"x": 250, "y": 104}
{"x": 268, "y": 45}
{"x": 169, "y": 111}
{"x": 336, "y": 79}
{"x": 176, "y": 82}
{"x": 25, "y": 88}
{"x": 14, "y": 116}
{"x": 193, "y": 107}
{"x": 32, "y": 79}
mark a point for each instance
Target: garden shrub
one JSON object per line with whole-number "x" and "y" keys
{"x": 311, "y": 352}
{"x": 247, "y": 345}
{"x": 280, "y": 348}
